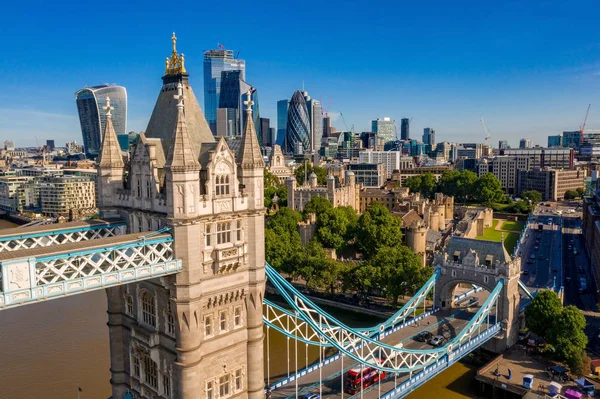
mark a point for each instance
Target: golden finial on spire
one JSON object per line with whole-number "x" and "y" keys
{"x": 174, "y": 65}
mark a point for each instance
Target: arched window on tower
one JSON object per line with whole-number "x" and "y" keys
{"x": 148, "y": 188}
{"x": 148, "y": 309}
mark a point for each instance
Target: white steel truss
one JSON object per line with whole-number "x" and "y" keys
{"x": 60, "y": 237}
{"x": 26, "y": 280}
{"x": 359, "y": 347}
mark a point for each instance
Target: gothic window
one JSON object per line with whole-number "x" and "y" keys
{"x": 223, "y": 232}
{"x": 166, "y": 385}
{"x": 129, "y": 305}
{"x": 223, "y": 321}
{"x": 222, "y": 185}
{"x": 148, "y": 188}
{"x": 238, "y": 380}
{"x": 170, "y": 321}
{"x": 237, "y": 316}
{"x": 238, "y": 230}
{"x": 209, "y": 390}
{"x": 136, "y": 365}
{"x": 224, "y": 386}
{"x": 148, "y": 309}
{"x": 207, "y": 233}
{"x": 139, "y": 188}
{"x": 150, "y": 372}
{"x": 208, "y": 326}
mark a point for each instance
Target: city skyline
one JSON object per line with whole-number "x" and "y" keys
{"x": 528, "y": 78}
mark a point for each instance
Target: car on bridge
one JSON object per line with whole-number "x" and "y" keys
{"x": 438, "y": 340}
{"x": 423, "y": 336}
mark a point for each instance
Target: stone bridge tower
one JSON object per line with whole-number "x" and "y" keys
{"x": 197, "y": 334}
{"x": 481, "y": 263}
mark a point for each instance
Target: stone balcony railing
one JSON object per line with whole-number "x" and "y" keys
{"x": 146, "y": 336}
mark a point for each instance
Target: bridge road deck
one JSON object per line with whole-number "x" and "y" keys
{"x": 449, "y": 322}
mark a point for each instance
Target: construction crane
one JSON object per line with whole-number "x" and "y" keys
{"x": 344, "y": 120}
{"x": 488, "y": 136}
{"x": 582, "y": 127}
{"x": 221, "y": 47}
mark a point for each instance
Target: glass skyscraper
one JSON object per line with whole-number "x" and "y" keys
{"x": 405, "y": 129}
{"x": 315, "y": 116}
{"x": 429, "y": 136}
{"x": 231, "y": 105}
{"x": 385, "y": 129}
{"x": 282, "y": 112}
{"x": 297, "y": 138}
{"x": 90, "y": 102}
{"x": 215, "y": 62}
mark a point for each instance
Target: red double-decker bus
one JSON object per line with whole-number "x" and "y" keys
{"x": 362, "y": 377}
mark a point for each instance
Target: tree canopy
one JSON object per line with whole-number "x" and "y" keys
{"x": 316, "y": 205}
{"x": 488, "y": 189}
{"x": 272, "y": 187}
{"x": 425, "y": 184}
{"x": 282, "y": 239}
{"x": 321, "y": 173}
{"x": 561, "y": 327}
{"x": 377, "y": 228}
{"x": 335, "y": 227}
{"x": 571, "y": 194}
{"x": 532, "y": 195}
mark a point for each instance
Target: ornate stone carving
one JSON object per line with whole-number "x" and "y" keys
{"x": 223, "y": 205}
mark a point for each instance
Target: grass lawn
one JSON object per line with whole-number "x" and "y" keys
{"x": 513, "y": 226}
{"x": 491, "y": 234}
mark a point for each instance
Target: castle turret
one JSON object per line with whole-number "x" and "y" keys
{"x": 331, "y": 189}
{"x": 291, "y": 192}
{"x": 416, "y": 240}
{"x": 110, "y": 163}
{"x": 312, "y": 179}
{"x": 449, "y": 204}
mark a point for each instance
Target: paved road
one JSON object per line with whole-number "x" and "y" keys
{"x": 447, "y": 323}
{"x": 541, "y": 252}
{"x": 572, "y": 237}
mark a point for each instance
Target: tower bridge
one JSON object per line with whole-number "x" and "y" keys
{"x": 180, "y": 253}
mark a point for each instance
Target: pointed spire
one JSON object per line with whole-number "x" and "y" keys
{"x": 110, "y": 153}
{"x": 181, "y": 156}
{"x": 249, "y": 155}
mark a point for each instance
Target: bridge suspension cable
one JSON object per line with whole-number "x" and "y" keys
{"x": 365, "y": 349}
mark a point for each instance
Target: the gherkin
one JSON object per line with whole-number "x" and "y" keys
{"x": 298, "y": 125}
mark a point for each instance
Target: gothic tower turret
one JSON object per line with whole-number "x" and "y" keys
{"x": 110, "y": 164}
{"x": 251, "y": 171}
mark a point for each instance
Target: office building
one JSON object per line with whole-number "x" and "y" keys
{"x": 389, "y": 159}
{"x": 539, "y": 158}
{"x": 297, "y": 136}
{"x": 590, "y": 150}
{"x": 326, "y": 126}
{"x": 369, "y": 174}
{"x": 525, "y": 143}
{"x": 230, "y": 114}
{"x": 404, "y": 129}
{"x": 551, "y": 183}
{"x": 215, "y": 62}
{"x": 50, "y": 145}
{"x": 282, "y": 113}
{"x": 591, "y": 235}
{"x": 92, "y": 115}
{"x": 572, "y": 139}
{"x": 555, "y": 141}
{"x": 503, "y": 144}
{"x": 385, "y": 129}
{"x": 315, "y": 115}
{"x": 469, "y": 150}
{"x": 429, "y": 136}
{"x": 61, "y": 195}
{"x": 265, "y": 132}
{"x": 506, "y": 169}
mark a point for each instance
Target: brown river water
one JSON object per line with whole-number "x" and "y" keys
{"x": 48, "y": 350}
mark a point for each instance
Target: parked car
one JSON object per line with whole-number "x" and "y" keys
{"x": 438, "y": 340}
{"x": 423, "y": 336}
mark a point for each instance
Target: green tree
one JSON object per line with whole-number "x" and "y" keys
{"x": 272, "y": 188}
{"x": 413, "y": 183}
{"x": 377, "y": 228}
{"x": 581, "y": 191}
{"x": 460, "y": 184}
{"x": 282, "y": 240}
{"x": 571, "y": 194}
{"x": 335, "y": 227}
{"x": 400, "y": 271}
{"x": 488, "y": 189}
{"x": 532, "y": 195}
{"x": 329, "y": 274}
{"x": 316, "y": 205}
{"x": 362, "y": 278}
{"x": 270, "y": 179}
{"x": 319, "y": 171}
{"x": 542, "y": 312}
{"x": 566, "y": 334}
{"x": 447, "y": 183}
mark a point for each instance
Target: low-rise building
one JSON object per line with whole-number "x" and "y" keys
{"x": 436, "y": 170}
{"x": 369, "y": 174}
{"x": 551, "y": 183}
{"x": 277, "y": 165}
{"x": 556, "y": 157}
{"x": 338, "y": 193}
{"x": 591, "y": 235}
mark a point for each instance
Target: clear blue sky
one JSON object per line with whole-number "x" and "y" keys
{"x": 530, "y": 67}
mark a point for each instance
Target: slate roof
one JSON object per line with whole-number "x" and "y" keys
{"x": 481, "y": 247}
